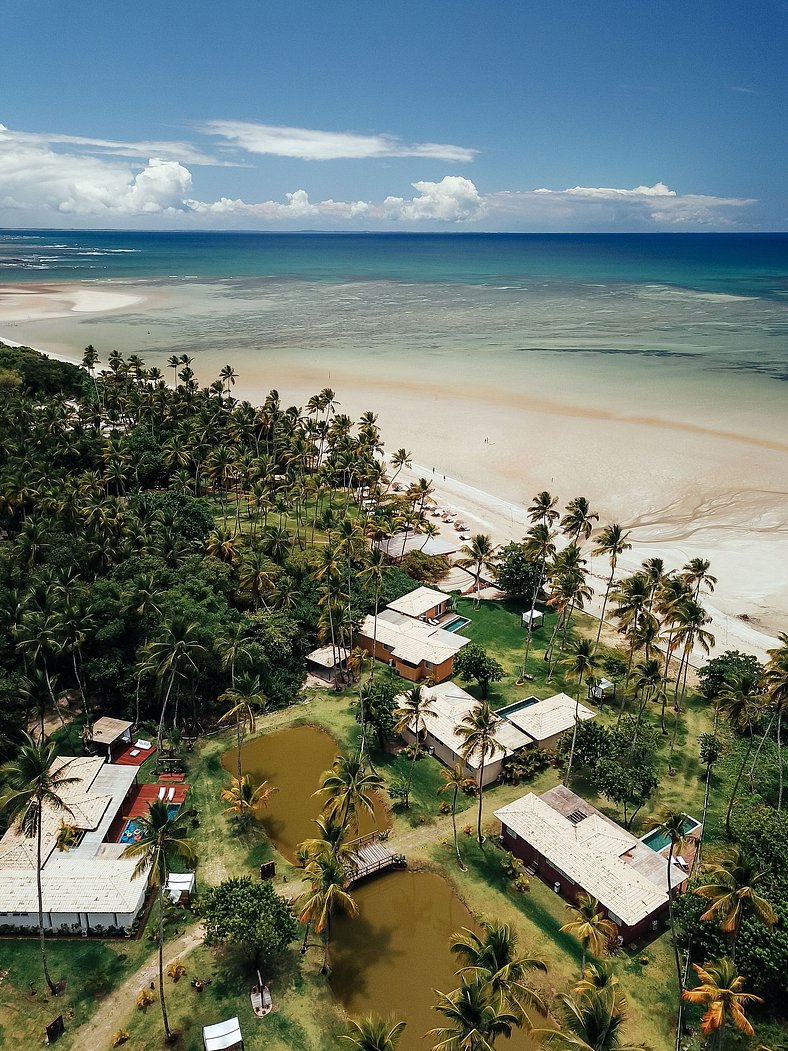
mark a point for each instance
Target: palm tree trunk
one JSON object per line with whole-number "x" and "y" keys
{"x": 574, "y": 734}
{"x": 676, "y": 957}
{"x": 454, "y": 827}
{"x": 732, "y": 799}
{"x": 326, "y": 942}
{"x": 49, "y": 981}
{"x": 167, "y": 1033}
{"x": 306, "y": 938}
{"x": 780, "y": 758}
{"x": 160, "y": 732}
{"x": 480, "y": 837}
{"x": 604, "y": 605}
{"x": 757, "y": 755}
{"x": 238, "y": 743}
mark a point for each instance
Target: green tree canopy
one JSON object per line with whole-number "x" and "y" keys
{"x": 249, "y": 915}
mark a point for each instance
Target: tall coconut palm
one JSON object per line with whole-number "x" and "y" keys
{"x": 415, "y": 708}
{"x": 695, "y": 575}
{"x": 733, "y": 895}
{"x": 591, "y": 1021}
{"x": 246, "y": 700}
{"x": 777, "y": 685}
{"x": 170, "y": 656}
{"x": 720, "y": 992}
{"x": 325, "y": 896}
{"x": 538, "y": 546}
{"x": 613, "y": 541}
{"x": 542, "y": 509}
{"x": 455, "y": 780}
{"x": 578, "y": 521}
{"x": 348, "y": 790}
{"x": 739, "y": 701}
{"x": 476, "y": 1017}
{"x": 494, "y": 955}
{"x": 479, "y": 554}
{"x": 374, "y": 1034}
{"x": 581, "y": 663}
{"x": 33, "y": 787}
{"x": 163, "y": 843}
{"x": 477, "y": 734}
{"x": 598, "y": 976}
{"x": 673, "y": 827}
{"x": 374, "y": 573}
{"x": 590, "y": 926}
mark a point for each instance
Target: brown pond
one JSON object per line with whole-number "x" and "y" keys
{"x": 292, "y": 760}
{"x": 390, "y": 958}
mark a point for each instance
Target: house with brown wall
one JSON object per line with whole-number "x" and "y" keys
{"x": 414, "y": 649}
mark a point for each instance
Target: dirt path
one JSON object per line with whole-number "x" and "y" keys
{"x": 96, "y": 1034}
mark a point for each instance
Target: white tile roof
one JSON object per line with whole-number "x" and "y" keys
{"x": 552, "y": 716}
{"x": 412, "y": 640}
{"x": 106, "y": 730}
{"x": 90, "y": 877}
{"x": 418, "y": 602}
{"x": 595, "y": 853}
{"x": 450, "y": 704}
{"x": 328, "y": 656}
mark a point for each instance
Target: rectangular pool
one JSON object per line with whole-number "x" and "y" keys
{"x": 132, "y": 831}
{"x": 517, "y": 706}
{"x": 658, "y": 840}
{"x": 456, "y": 624}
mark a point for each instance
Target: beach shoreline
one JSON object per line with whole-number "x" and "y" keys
{"x": 685, "y": 486}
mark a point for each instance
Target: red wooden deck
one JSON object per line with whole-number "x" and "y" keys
{"x": 140, "y": 800}
{"x": 125, "y": 758}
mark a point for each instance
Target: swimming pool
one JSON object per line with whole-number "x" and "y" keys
{"x": 517, "y": 706}
{"x": 132, "y": 831}
{"x": 456, "y": 624}
{"x": 658, "y": 840}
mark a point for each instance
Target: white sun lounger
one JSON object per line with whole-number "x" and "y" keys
{"x": 162, "y": 793}
{"x": 171, "y": 795}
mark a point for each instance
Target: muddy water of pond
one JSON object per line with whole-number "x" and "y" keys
{"x": 390, "y": 958}
{"x": 292, "y": 760}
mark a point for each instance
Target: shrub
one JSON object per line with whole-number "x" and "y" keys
{"x": 145, "y": 998}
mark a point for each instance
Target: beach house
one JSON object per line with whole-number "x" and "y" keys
{"x": 546, "y": 721}
{"x": 441, "y": 736}
{"x": 574, "y": 848}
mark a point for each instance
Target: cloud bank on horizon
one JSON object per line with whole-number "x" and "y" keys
{"x": 60, "y": 180}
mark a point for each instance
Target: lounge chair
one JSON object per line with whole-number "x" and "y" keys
{"x": 162, "y": 793}
{"x": 171, "y": 795}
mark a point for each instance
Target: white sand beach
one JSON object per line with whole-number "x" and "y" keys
{"x": 690, "y": 473}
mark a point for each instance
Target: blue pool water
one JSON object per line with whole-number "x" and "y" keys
{"x": 658, "y": 840}
{"x": 456, "y": 624}
{"x": 132, "y": 830}
{"x": 517, "y": 706}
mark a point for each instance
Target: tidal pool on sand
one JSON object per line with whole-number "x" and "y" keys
{"x": 292, "y": 760}
{"x": 390, "y": 958}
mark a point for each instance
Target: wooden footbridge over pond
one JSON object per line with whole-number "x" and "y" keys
{"x": 368, "y": 855}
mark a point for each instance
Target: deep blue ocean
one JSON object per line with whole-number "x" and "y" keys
{"x": 753, "y": 265}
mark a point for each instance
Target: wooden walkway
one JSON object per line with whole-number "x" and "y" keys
{"x": 369, "y": 855}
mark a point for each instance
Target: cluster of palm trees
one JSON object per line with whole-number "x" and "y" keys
{"x": 347, "y": 791}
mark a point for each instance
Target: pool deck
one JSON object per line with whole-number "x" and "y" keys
{"x": 139, "y": 803}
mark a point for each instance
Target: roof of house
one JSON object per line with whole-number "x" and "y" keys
{"x": 552, "y": 716}
{"x": 91, "y": 876}
{"x": 593, "y": 852}
{"x": 412, "y": 641}
{"x": 328, "y": 656}
{"x": 450, "y": 705}
{"x": 417, "y": 603}
{"x": 400, "y": 544}
{"x": 107, "y": 731}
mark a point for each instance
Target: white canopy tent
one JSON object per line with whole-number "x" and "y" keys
{"x": 179, "y": 883}
{"x": 223, "y": 1035}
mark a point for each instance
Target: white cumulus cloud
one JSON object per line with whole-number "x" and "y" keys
{"x": 452, "y": 200}
{"x": 311, "y": 145}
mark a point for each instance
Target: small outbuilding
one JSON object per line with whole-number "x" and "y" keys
{"x": 327, "y": 662}
{"x": 108, "y": 737}
{"x": 601, "y": 691}
{"x": 536, "y": 619}
{"x": 181, "y": 887}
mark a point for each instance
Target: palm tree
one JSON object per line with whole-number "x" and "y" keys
{"x": 673, "y": 827}
{"x": 590, "y": 926}
{"x": 612, "y": 541}
{"x": 739, "y": 702}
{"x": 733, "y": 895}
{"x": 375, "y": 1034}
{"x": 246, "y": 699}
{"x": 416, "y": 706}
{"x": 720, "y": 992}
{"x": 477, "y": 733}
{"x": 591, "y": 1021}
{"x": 598, "y": 976}
{"x": 479, "y": 554}
{"x": 375, "y": 573}
{"x": 542, "y": 509}
{"x": 581, "y": 663}
{"x": 169, "y": 656}
{"x": 348, "y": 790}
{"x": 163, "y": 843}
{"x": 538, "y": 546}
{"x": 332, "y": 839}
{"x": 695, "y": 575}
{"x": 493, "y": 955}
{"x": 33, "y": 787}
{"x": 456, "y": 780}
{"x": 578, "y": 520}
{"x": 476, "y": 1015}
{"x": 244, "y": 798}
{"x": 326, "y": 895}
{"x": 777, "y": 685}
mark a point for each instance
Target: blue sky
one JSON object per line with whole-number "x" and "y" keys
{"x": 441, "y": 114}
